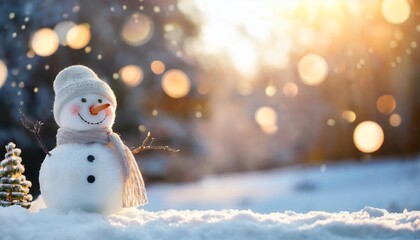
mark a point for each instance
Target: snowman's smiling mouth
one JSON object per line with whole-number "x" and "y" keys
{"x": 92, "y": 123}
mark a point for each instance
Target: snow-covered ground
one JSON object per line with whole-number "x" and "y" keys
{"x": 389, "y": 185}
{"x": 324, "y": 202}
{"x": 370, "y": 223}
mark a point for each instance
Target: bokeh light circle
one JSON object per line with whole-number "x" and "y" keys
{"x": 349, "y": 116}
{"x": 78, "y": 36}
{"x": 386, "y": 104}
{"x": 44, "y": 42}
{"x": 290, "y": 89}
{"x": 266, "y": 117}
{"x": 157, "y": 67}
{"x": 176, "y": 83}
{"x": 3, "y": 73}
{"x": 271, "y": 129}
{"x": 396, "y": 11}
{"x": 368, "y": 137}
{"x": 270, "y": 90}
{"x": 395, "y": 120}
{"x": 313, "y": 69}
{"x": 137, "y": 30}
{"x": 131, "y": 75}
{"x": 62, "y": 28}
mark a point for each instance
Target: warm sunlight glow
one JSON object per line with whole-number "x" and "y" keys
{"x": 3, "y": 73}
{"x": 157, "y": 67}
{"x": 396, "y": 11}
{"x": 349, "y": 116}
{"x": 131, "y": 75}
{"x": 176, "y": 83}
{"x": 44, "y": 42}
{"x": 290, "y": 89}
{"x": 386, "y": 104}
{"x": 244, "y": 58}
{"x": 78, "y": 36}
{"x": 368, "y": 137}
{"x": 137, "y": 30}
{"x": 248, "y": 34}
{"x": 395, "y": 120}
{"x": 313, "y": 69}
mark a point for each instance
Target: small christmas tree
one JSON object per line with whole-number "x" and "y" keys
{"x": 14, "y": 187}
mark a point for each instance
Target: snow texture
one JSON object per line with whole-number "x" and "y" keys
{"x": 390, "y": 185}
{"x": 343, "y": 186}
{"x": 369, "y": 223}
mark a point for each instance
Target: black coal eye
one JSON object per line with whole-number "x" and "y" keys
{"x": 99, "y": 100}
{"x": 83, "y": 99}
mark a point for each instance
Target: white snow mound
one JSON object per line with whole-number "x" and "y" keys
{"x": 369, "y": 223}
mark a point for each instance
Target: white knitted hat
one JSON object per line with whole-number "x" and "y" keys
{"x": 77, "y": 80}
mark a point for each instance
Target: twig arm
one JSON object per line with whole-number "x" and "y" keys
{"x": 35, "y": 128}
{"x": 147, "y": 145}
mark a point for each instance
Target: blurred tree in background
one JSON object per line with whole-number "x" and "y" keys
{"x": 92, "y": 33}
{"x": 236, "y": 85}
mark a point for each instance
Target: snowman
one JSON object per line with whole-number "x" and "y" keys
{"x": 90, "y": 169}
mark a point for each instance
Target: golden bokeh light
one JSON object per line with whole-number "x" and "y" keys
{"x": 3, "y": 73}
{"x": 78, "y": 36}
{"x": 386, "y": 104}
{"x": 62, "y": 28}
{"x": 313, "y": 69}
{"x": 349, "y": 116}
{"x": 396, "y": 11}
{"x": 290, "y": 89}
{"x": 30, "y": 54}
{"x": 157, "y": 67}
{"x": 137, "y": 30}
{"x": 266, "y": 117}
{"x": 131, "y": 75}
{"x": 198, "y": 114}
{"x": 270, "y": 90}
{"x": 44, "y": 42}
{"x": 176, "y": 83}
{"x": 271, "y": 129}
{"x": 368, "y": 137}
{"x": 395, "y": 120}
{"x": 331, "y": 122}
{"x": 142, "y": 128}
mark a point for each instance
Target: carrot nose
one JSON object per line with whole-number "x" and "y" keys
{"x": 95, "y": 109}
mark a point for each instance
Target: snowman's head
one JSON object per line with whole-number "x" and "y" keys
{"x": 82, "y": 100}
{"x": 87, "y": 111}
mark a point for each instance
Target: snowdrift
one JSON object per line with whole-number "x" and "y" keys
{"x": 369, "y": 223}
{"x": 281, "y": 204}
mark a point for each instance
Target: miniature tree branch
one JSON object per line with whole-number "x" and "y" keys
{"x": 147, "y": 145}
{"x": 35, "y": 128}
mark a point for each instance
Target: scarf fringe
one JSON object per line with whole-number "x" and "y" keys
{"x": 134, "y": 192}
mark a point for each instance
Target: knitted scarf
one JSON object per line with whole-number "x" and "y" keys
{"x": 134, "y": 192}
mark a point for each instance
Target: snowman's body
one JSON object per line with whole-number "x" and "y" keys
{"x": 82, "y": 177}
{"x": 88, "y": 174}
